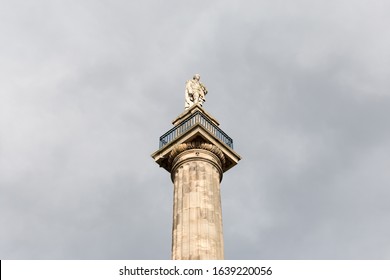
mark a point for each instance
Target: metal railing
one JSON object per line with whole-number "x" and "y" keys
{"x": 197, "y": 118}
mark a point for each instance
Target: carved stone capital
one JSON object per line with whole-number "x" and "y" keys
{"x": 196, "y": 151}
{"x": 196, "y": 145}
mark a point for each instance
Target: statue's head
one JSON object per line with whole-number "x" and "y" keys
{"x": 196, "y": 77}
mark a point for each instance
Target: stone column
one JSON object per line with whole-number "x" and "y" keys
{"x": 197, "y": 215}
{"x": 196, "y": 152}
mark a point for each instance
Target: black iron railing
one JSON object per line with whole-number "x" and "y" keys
{"x": 197, "y": 118}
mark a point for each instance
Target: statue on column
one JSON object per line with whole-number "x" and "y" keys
{"x": 195, "y": 92}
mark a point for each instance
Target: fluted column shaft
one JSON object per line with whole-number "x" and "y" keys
{"x": 197, "y": 214}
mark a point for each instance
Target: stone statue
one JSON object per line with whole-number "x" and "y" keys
{"x": 195, "y": 92}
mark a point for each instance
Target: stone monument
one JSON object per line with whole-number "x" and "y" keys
{"x": 196, "y": 152}
{"x": 195, "y": 92}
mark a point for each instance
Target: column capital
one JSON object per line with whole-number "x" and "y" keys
{"x": 177, "y": 149}
{"x": 196, "y": 151}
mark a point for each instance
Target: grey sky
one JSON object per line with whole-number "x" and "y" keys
{"x": 87, "y": 87}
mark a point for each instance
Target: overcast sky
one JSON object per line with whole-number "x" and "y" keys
{"x": 88, "y": 87}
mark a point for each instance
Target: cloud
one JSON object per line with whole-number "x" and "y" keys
{"x": 89, "y": 87}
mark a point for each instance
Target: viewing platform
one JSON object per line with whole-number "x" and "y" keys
{"x": 198, "y": 118}
{"x": 195, "y": 124}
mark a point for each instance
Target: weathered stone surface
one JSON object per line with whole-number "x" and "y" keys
{"x": 196, "y": 159}
{"x": 197, "y": 214}
{"x": 195, "y": 92}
